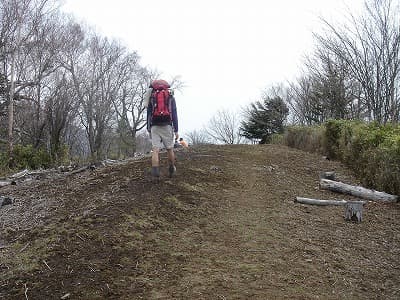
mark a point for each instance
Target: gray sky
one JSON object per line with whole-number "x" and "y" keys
{"x": 226, "y": 51}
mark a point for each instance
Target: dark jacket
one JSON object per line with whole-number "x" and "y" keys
{"x": 174, "y": 115}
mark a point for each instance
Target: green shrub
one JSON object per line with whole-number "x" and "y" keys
{"x": 27, "y": 157}
{"x": 331, "y": 138}
{"x": 277, "y": 138}
{"x": 333, "y": 132}
{"x": 385, "y": 163}
{"x": 305, "y": 138}
{"x": 371, "y": 150}
{"x": 3, "y": 163}
{"x": 60, "y": 156}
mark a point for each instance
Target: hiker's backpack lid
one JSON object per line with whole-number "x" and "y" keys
{"x": 160, "y": 84}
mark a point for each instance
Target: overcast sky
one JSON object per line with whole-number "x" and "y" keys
{"x": 226, "y": 51}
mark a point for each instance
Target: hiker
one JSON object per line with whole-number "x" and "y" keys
{"x": 183, "y": 143}
{"x": 162, "y": 124}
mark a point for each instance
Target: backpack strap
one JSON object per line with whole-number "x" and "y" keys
{"x": 170, "y": 97}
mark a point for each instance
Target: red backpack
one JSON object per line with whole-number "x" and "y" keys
{"x": 160, "y": 101}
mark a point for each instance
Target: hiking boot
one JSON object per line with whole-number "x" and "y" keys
{"x": 171, "y": 170}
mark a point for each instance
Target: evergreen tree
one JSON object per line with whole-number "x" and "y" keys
{"x": 264, "y": 118}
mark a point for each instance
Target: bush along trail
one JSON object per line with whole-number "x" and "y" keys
{"x": 226, "y": 227}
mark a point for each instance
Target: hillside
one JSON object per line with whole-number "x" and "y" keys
{"x": 225, "y": 227}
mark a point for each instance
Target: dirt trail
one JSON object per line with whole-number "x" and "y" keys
{"x": 225, "y": 227}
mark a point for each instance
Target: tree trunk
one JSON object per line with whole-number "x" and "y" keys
{"x": 11, "y": 104}
{"x": 11, "y": 113}
{"x": 357, "y": 191}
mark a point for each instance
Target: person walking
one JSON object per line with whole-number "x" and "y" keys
{"x": 183, "y": 143}
{"x": 162, "y": 124}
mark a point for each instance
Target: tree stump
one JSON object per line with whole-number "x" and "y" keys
{"x": 353, "y": 211}
{"x": 5, "y": 201}
{"x": 327, "y": 175}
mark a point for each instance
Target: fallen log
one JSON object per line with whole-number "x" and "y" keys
{"x": 42, "y": 172}
{"x": 322, "y": 202}
{"x": 21, "y": 174}
{"x": 4, "y": 183}
{"x": 357, "y": 191}
{"x": 80, "y": 170}
{"x": 111, "y": 162}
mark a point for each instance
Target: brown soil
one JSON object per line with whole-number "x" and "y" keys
{"x": 225, "y": 227}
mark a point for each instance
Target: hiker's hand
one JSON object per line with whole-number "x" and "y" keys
{"x": 176, "y": 136}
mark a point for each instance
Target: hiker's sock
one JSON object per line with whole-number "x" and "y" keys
{"x": 155, "y": 171}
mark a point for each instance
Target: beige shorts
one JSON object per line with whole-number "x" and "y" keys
{"x": 162, "y": 136}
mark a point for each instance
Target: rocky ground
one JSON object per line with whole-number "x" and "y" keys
{"x": 226, "y": 227}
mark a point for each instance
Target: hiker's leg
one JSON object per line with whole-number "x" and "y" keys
{"x": 155, "y": 160}
{"x": 155, "y": 163}
{"x": 171, "y": 156}
{"x": 167, "y": 136}
{"x": 171, "y": 161}
{"x": 155, "y": 157}
{"x": 169, "y": 145}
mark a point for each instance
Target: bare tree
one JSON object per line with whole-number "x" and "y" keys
{"x": 337, "y": 92}
{"x": 223, "y": 127}
{"x": 20, "y": 19}
{"x": 38, "y": 63}
{"x": 61, "y": 110}
{"x": 93, "y": 73}
{"x": 14, "y": 14}
{"x": 59, "y": 80}
{"x": 197, "y": 137}
{"x": 129, "y": 102}
{"x": 143, "y": 144}
{"x": 302, "y": 108}
{"x": 176, "y": 83}
{"x": 369, "y": 45}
